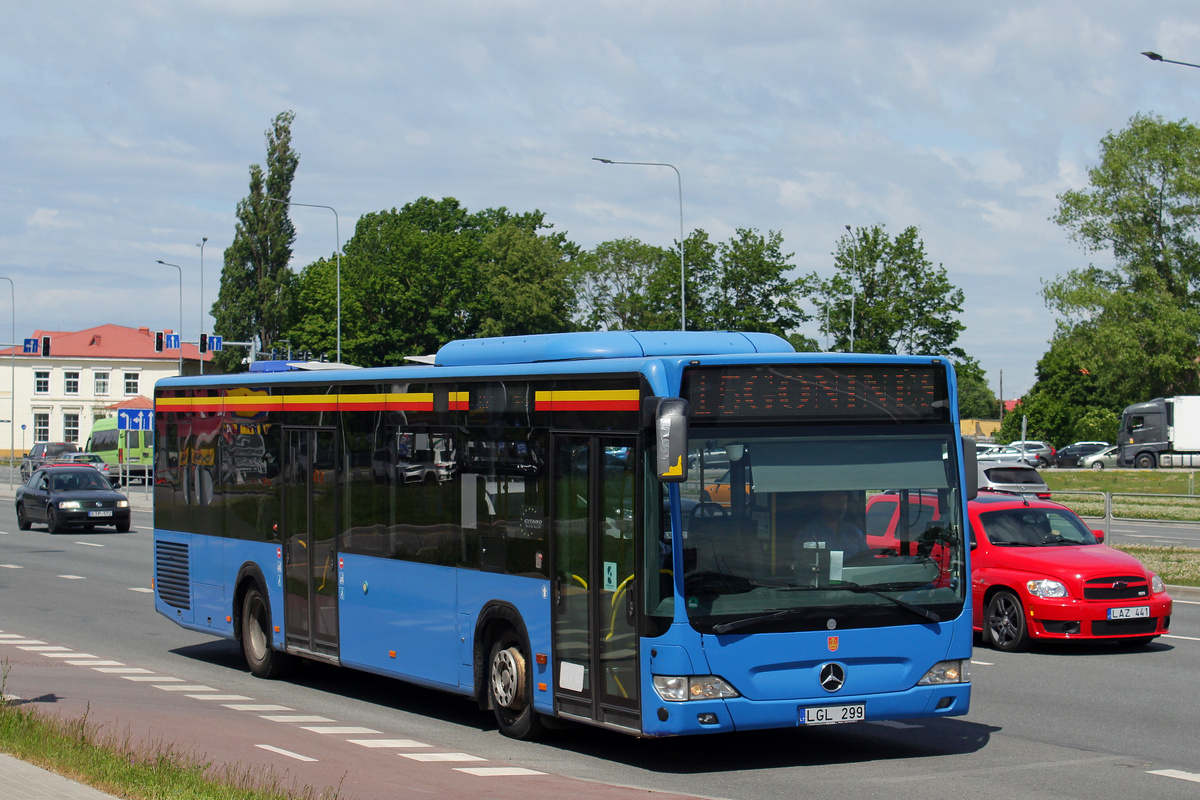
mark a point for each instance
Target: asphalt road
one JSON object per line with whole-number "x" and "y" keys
{"x": 1060, "y": 722}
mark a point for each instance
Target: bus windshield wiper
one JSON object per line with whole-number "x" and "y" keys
{"x": 859, "y": 589}
{"x": 738, "y": 624}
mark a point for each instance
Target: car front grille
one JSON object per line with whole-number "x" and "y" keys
{"x": 1120, "y": 587}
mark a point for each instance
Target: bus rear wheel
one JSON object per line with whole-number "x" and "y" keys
{"x": 263, "y": 660}
{"x": 510, "y": 686}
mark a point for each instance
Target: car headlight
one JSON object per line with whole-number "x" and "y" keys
{"x": 1047, "y": 588}
{"x": 1156, "y": 584}
{"x": 956, "y": 671}
{"x": 122, "y": 504}
{"x": 677, "y": 688}
{"x": 69, "y": 504}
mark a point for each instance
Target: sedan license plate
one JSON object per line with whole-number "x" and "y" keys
{"x": 99, "y": 513}
{"x": 1131, "y": 612}
{"x": 833, "y": 715}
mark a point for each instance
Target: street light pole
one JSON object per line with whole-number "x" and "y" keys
{"x": 338, "y": 233}
{"x": 12, "y": 397}
{"x": 682, "y": 270}
{"x": 1156, "y": 57}
{"x": 176, "y": 266}
{"x": 203, "y": 239}
{"x": 853, "y": 290}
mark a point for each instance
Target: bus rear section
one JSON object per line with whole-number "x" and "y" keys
{"x": 623, "y": 536}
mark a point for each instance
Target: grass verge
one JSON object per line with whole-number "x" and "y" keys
{"x": 1178, "y": 566}
{"x": 113, "y": 763}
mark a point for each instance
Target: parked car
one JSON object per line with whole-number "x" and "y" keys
{"x": 43, "y": 453}
{"x": 1013, "y": 477}
{"x": 1105, "y": 459}
{"x": 67, "y": 496}
{"x": 95, "y": 459}
{"x": 1043, "y": 453}
{"x": 1037, "y": 572}
{"x": 1071, "y": 455}
{"x": 1010, "y": 455}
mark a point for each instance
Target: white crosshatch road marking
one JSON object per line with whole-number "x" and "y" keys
{"x": 390, "y": 743}
{"x": 294, "y": 718}
{"x": 256, "y": 707}
{"x": 337, "y": 729}
{"x": 443, "y": 757}
{"x": 283, "y": 752}
{"x": 497, "y": 772}
{"x": 1175, "y": 773}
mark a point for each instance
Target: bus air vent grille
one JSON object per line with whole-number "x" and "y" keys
{"x": 172, "y": 567}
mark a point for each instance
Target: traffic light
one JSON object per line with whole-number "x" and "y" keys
{"x": 46, "y": 346}
{"x": 204, "y": 343}
{"x": 158, "y": 341}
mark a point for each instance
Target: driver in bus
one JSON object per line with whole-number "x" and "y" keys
{"x": 822, "y": 525}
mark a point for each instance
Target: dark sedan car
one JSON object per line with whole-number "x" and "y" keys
{"x": 67, "y": 496}
{"x": 1072, "y": 454}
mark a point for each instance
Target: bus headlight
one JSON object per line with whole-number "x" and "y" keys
{"x": 73, "y": 504}
{"x": 957, "y": 671}
{"x": 677, "y": 688}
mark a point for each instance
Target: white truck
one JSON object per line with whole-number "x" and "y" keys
{"x": 1163, "y": 432}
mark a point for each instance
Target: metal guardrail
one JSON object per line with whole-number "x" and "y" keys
{"x": 1107, "y": 507}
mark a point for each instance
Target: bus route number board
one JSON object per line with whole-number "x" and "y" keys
{"x": 833, "y": 715}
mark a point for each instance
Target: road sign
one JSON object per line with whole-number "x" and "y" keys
{"x": 215, "y": 343}
{"x": 31, "y": 346}
{"x": 134, "y": 419}
{"x": 172, "y": 341}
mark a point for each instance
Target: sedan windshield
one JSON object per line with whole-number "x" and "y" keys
{"x": 78, "y": 480}
{"x": 1034, "y": 527}
{"x": 803, "y": 531}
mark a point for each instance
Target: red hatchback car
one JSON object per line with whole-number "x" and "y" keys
{"x": 1037, "y": 572}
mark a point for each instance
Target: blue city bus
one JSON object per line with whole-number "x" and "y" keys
{"x": 608, "y": 528}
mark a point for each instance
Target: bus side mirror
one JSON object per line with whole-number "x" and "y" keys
{"x": 971, "y": 467}
{"x": 670, "y": 432}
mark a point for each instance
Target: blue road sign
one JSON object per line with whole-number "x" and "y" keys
{"x": 31, "y": 346}
{"x": 171, "y": 341}
{"x": 134, "y": 419}
{"x": 214, "y": 343}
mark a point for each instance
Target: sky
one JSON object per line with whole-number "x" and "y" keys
{"x": 128, "y": 128}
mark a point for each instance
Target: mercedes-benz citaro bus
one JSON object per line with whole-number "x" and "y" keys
{"x": 569, "y": 561}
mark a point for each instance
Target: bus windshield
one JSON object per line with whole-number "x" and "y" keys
{"x": 787, "y": 531}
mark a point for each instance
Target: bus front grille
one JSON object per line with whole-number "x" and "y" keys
{"x": 172, "y": 574}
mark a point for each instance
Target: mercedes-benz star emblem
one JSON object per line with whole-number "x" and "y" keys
{"x": 833, "y": 677}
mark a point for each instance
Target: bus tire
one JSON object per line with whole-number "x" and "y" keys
{"x": 263, "y": 660}
{"x": 510, "y": 688}
{"x": 1145, "y": 461}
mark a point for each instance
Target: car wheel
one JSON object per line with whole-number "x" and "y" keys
{"x": 123, "y": 527}
{"x": 22, "y": 521}
{"x": 1004, "y": 623}
{"x": 1098, "y": 465}
{"x": 510, "y": 686}
{"x": 52, "y": 523}
{"x": 263, "y": 660}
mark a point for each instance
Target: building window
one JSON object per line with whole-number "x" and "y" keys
{"x": 70, "y": 427}
{"x": 102, "y": 384}
{"x": 70, "y": 384}
{"x": 41, "y": 427}
{"x": 131, "y": 383}
{"x": 41, "y": 383}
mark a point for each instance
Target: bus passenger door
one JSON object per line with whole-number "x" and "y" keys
{"x": 310, "y": 552}
{"x": 595, "y": 579}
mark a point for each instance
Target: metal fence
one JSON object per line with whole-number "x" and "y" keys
{"x": 1108, "y": 507}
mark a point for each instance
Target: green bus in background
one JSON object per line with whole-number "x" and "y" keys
{"x": 129, "y": 453}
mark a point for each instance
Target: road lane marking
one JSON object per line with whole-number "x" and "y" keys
{"x": 442, "y": 757}
{"x": 220, "y": 697}
{"x": 497, "y": 772}
{"x": 11, "y": 566}
{"x": 1186, "y": 602}
{"x": 984, "y": 663}
{"x": 283, "y": 752}
{"x": 94, "y": 663}
{"x": 24, "y": 641}
{"x": 142, "y": 589}
{"x": 294, "y": 718}
{"x": 336, "y": 729}
{"x": 394, "y": 743}
{"x": 73, "y": 577}
{"x": 186, "y": 687}
{"x": 256, "y": 707}
{"x": 118, "y": 670}
{"x": 155, "y": 678}
{"x": 43, "y": 648}
{"x": 1188, "y": 638}
{"x": 90, "y": 544}
{"x": 69, "y": 654}
{"x": 1175, "y": 773}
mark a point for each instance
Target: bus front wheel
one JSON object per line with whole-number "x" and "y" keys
{"x": 510, "y": 685}
{"x": 263, "y": 660}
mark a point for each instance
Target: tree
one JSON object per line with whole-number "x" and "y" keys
{"x": 525, "y": 283}
{"x": 887, "y": 297}
{"x": 253, "y": 301}
{"x": 626, "y": 284}
{"x": 740, "y": 284}
{"x": 976, "y": 400}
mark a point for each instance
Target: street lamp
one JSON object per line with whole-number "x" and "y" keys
{"x": 200, "y": 244}
{"x": 1156, "y": 57}
{"x": 338, "y": 233}
{"x": 682, "y": 271}
{"x": 176, "y": 266}
{"x": 853, "y": 290}
{"x": 12, "y": 398}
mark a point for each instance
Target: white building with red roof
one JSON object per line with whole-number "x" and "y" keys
{"x": 88, "y": 375}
